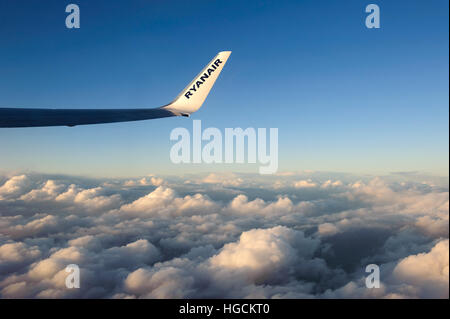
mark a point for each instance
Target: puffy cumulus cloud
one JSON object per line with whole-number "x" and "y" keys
{"x": 152, "y": 203}
{"x": 145, "y": 181}
{"x": 50, "y": 190}
{"x": 167, "y": 282}
{"x": 55, "y": 263}
{"x": 16, "y": 255}
{"x": 14, "y": 186}
{"x": 135, "y": 253}
{"x": 305, "y": 184}
{"x": 194, "y": 204}
{"x": 426, "y": 273}
{"x": 32, "y": 189}
{"x": 266, "y": 268}
{"x": 164, "y": 202}
{"x": 265, "y": 253}
{"x": 241, "y": 205}
{"x": 435, "y": 227}
{"x": 299, "y": 235}
{"x": 225, "y": 179}
{"x": 88, "y": 241}
{"x": 330, "y": 183}
{"x": 91, "y": 199}
{"x": 45, "y": 278}
{"x": 403, "y": 198}
{"x": 327, "y": 229}
{"x": 37, "y": 225}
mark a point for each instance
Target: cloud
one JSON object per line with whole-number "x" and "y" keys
{"x": 327, "y": 229}
{"x": 225, "y": 179}
{"x": 427, "y": 273}
{"x": 265, "y": 253}
{"x": 152, "y": 203}
{"x": 424, "y": 275}
{"x": 302, "y": 235}
{"x": 91, "y": 199}
{"x": 434, "y": 227}
{"x": 13, "y": 187}
{"x": 305, "y": 184}
{"x": 330, "y": 183}
{"x": 48, "y": 191}
{"x": 14, "y": 256}
{"x": 145, "y": 181}
{"x": 169, "y": 282}
{"x": 163, "y": 202}
{"x": 241, "y": 205}
{"x": 135, "y": 253}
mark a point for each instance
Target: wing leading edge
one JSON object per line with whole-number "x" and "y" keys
{"x": 186, "y": 103}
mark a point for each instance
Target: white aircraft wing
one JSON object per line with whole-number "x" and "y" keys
{"x": 187, "y": 102}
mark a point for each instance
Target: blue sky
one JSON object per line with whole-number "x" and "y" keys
{"x": 344, "y": 97}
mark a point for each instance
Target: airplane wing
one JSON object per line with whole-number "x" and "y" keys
{"x": 187, "y": 102}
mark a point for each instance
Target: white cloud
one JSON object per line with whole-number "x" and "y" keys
{"x": 135, "y": 253}
{"x": 262, "y": 253}
{"x": 330, "y": 183}
{"x": 145, "y": 181}
{"x": 14, "y": 186}
{"x": 241, "y": 205}
{"x": 168, "y": 282}
{"x": 426, "y": 272}
{"x": 164, "y": 202}
{"x": 48, "y": 192}
{"x": 327, "y": 229}
{"x": 305, "y": 184}
{"x": 91, "y": 199}
{"x": 18, "y": 252}
{"x": 226, "y": 235}
{"x": 153, "y": 203}
{"x": 225, "y": 179}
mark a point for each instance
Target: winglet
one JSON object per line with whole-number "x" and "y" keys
{"x": 193, "y": 96}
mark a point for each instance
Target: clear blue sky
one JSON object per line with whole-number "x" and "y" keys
{"x": 344, "y": 97}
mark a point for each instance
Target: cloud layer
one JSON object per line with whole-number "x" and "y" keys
{"x": 298, "y": 235}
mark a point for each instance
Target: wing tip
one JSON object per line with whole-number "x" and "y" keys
{"x": 192, "y": 97}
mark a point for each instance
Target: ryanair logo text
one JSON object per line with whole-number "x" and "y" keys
{"x": 202, "y": 79}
